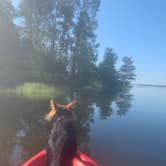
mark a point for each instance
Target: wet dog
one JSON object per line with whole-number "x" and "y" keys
{"x": 62, "y": 144}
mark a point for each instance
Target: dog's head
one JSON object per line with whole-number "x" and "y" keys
{"x": 62, "y": 140}
{"x": 59, "y": 111}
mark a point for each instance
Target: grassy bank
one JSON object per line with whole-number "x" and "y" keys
{"x": 36, "y": 90}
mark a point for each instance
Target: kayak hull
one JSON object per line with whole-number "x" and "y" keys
{"x": 40, "y": 160}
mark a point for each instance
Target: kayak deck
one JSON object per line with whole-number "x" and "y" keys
{"x": 40, "y": 160}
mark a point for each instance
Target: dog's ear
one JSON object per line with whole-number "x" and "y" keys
{"x": 53, "y": 110}
{"x": 53, "y": 105}
{"x": 71, "y": 105}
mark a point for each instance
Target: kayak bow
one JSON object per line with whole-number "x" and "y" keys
{"x": 40, "y": 160}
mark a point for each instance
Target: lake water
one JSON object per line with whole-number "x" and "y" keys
{"x": 129, "y": 130}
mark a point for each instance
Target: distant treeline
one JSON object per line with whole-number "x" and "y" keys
{"x": 152, "y": 85}
{"x": 54, "y": 41}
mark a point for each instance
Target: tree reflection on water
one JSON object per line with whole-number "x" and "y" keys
{"x": 105, "y": 106}
{"x": 123, "y": 103}
{"x": 22, "y": 115}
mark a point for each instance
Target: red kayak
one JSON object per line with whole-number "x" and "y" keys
{"x": 40, "y": 160}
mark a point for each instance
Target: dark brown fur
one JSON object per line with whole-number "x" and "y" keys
{"x": 62, "y": 144}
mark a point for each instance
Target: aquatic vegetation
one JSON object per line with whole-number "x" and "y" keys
{"x": 33, "y": 90}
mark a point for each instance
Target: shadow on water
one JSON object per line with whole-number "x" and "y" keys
{"x": 23, "y": 131}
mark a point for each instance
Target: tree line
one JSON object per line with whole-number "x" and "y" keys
{"x": 54, "y": 42}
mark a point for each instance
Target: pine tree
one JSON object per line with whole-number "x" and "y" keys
{"x": 107, "y": 70}
{"x": 127, "y": 72}
{"x": 85, "y": 45}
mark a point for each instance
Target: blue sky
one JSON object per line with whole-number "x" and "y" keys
{"x": 135, "y": 28}
{"x": 15, "y": 2}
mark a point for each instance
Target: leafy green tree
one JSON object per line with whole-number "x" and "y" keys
{"x": 108, "y": 72}
{"x": 9, "y": 45}
{"x": 48, "y": 25}
{"x": 33, "y": 27}
{"x": 56, "y": 43}
{"x": 63, "y": 32}
{"x": 85, "y": 46}
{"x": 8, "y": 34}
{"x": 127, "y": 73}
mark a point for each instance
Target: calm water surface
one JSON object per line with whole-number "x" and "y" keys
{"x": 116, "y": 131}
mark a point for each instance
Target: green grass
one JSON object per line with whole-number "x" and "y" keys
{"x": 33, "y": 90}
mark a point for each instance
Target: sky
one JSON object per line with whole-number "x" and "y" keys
{"x": 135, "y": 28}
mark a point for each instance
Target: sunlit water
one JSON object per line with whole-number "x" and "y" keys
{"x": 130, "y": 130}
